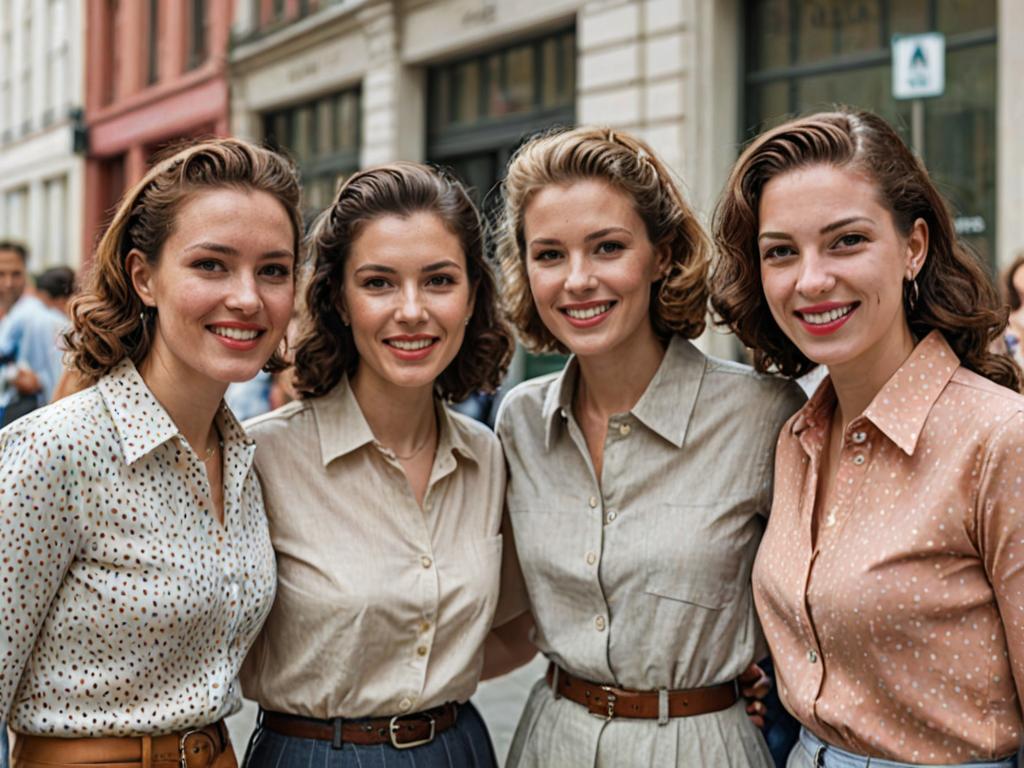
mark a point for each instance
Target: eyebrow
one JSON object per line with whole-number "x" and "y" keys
{"x": 436, "y": 266}
{"x": 592, "y": 236}
{"x": 227, "y": 250}
{"x": 823, "y": 231}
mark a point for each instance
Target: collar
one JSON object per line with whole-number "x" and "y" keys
{"x": 343, "y": 427}
{"x": 897, "y": 415}
{"x": 665, "y": 406}
{"x": 143, "y": 424}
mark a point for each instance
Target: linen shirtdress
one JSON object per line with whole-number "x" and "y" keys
{"x": 642, "y": 580}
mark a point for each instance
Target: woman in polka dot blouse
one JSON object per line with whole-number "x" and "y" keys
{"x": 137, "y": 567}
{"x": 890, "y": 582}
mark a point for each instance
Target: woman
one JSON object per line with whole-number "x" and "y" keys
{"x": 138, "y": 568}
{"x": 638, "y": 476}
{"x": 888, "y": 581}
{"x": 388, "y": 547}
{"x": 1013, "y": 289}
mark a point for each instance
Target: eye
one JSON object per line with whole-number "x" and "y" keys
{"x": 547, "y": 256}
{"x": 277, "y": 270}
{"x": 208, "y": 265}
{"x": 778, "y": 252}
{"x": 610, "y": 246}
{"x": 440, "y": 281}
{"x": 850, "y": 240}
{"x": 375, "y": 282}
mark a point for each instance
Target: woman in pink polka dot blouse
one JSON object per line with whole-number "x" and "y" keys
{"x": 137, "y": 566}
{"x": 890, "y": 581}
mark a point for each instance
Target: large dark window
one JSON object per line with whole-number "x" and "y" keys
{"x": 197, "y": 33}
{"x": 323, "y": 137}
{"x": 153, "y": 43}
{"x": 805, "y": 55}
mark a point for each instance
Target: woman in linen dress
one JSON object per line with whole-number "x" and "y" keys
{"x": 639, "y": 476}
{"x": 889, "y": 581}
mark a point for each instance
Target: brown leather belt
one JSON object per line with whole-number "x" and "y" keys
{"x": 400, "y": 731}
{"x": 208, "y": 747}
{"x": 607, "y": 701}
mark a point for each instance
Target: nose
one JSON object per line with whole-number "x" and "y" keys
{"x": 411, "y": 308}
{"x": 580, "y": 277}
{"x": 245, "y": 295}
{"x": 815, "y": 278}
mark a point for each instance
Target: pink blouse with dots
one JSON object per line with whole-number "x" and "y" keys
{"x": 897, "y": 621}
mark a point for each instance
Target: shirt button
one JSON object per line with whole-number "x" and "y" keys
{"x": 625, "y": 429}
{"x": 859, "y": 437}
{"x": 591, "y": 558}
{"x": 812, "y": 656}
{"x": 610, "y": 517}
{"x": 599, "y": 623}
{"x": 859, "y": 459}
{"x": 404, "y": 705}
{"x": 425, "y": 626}
{"x": 592, "y": 502}
{"x": 422, "y": 650}
{"x": 426, "y": 562}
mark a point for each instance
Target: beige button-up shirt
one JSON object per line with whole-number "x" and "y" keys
{"x": 382, "y": 607}
{"x": 641, "y": 578}
{"x": 898, "y": 630}
{"x": 125, "y": 607}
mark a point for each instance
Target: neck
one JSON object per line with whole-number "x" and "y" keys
{"x": 191, "y": 405}
{"x": 401, "y": 418}
{"x": 614, "y": 382}
{"x": 857, "y": 382}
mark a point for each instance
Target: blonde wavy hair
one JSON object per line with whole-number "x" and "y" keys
{"x": 679, "y": 299}
{"x": 109, "y": 322}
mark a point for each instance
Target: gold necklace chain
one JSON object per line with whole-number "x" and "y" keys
{"x": 416, "y": 450}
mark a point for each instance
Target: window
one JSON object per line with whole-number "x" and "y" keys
{"x": 16, "y": 203}
{"x": 805, "y": 55}
{"x": 55, "y": 249}
{"x": 197, "y": 37}
{"x": 6, "y": 73}
{"x": 57, "y": 61}
{"x": 153, "y": 43}
{"x": 323, "y": 137}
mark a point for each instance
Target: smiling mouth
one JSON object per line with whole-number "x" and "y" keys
{"x": 410, "y": 346}
{"x": 235, "y": 334}
{"x": 588, "y": 313}
{"x": 827, "y": 317}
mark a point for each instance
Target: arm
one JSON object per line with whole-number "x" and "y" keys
{"x": 508, "y": 647}
{"x": 39, "y": 533}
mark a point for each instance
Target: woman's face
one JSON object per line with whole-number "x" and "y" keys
{"x": 222, "y": 287}
{"x": 591, "y": 266}
{"x": 408, "y": 298}
{"x": 1018, "y": 282}
{"x": 833, "y": 266}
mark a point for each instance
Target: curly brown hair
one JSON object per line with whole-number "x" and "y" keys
{"x": 1010, "y": 294}
{"x": 956, "y": 295}
{"x": 327, "y": 350}
{"x": 679, "y": 299}
{"x": 109, "y": 322}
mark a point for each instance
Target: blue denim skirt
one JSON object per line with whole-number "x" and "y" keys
{"x": 467, "y": 744}
{"x": 812, "y": 752}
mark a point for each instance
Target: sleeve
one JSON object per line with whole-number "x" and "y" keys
{"x": 1000, "y": 533}
{"x": 39, "y": 535}
{"x": 40, "y": 352}
{"x": 789, "y": 399}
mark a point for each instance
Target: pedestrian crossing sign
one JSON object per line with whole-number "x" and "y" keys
{"x": 918, "y": 65}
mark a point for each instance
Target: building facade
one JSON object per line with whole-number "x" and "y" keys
{"x": 41, "y": 136}
{"x": 156, "y": 75}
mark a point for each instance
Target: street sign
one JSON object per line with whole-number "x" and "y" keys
{"x": 918, "y": 65}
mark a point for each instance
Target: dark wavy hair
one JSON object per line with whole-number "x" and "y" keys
{"x": 679, "y": 299}
{"x": 1010, "y": 294}
{"x": 956, "y": 295}
{"x": 326, "y": 350}
{"x": 109, "y": 322}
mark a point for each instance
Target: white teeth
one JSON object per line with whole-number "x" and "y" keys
{"x": 237, "y": 334}
{"x": 820, "y": 318}
{"x": 411, "y": 346}
{"x": 586, "y": 314}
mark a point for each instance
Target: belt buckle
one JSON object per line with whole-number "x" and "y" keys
{"x": 610, "y": 699}
{"x": 394, "y": 725}
{"x": 182, "y": 756}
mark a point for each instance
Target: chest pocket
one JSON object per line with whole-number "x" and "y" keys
{"x": 700, "y": 553}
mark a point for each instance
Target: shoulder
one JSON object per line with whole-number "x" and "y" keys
{"x": 58, "y": 431}
{"x": 747, "y": 388}
{"x": 480, "y": 439}
{"x": 526, "y": 399}
{"x": 991, "y": 409}
{"x": 289, "y": 422}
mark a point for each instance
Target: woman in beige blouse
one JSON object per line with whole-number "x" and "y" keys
{"x": 385, "y": 506}
{"x": 639, "y": 476}
{"x": 137, "y": 568}
{"x": 890, "y": 580}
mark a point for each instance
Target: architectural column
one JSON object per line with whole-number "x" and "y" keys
{"x": 37, "y": 224}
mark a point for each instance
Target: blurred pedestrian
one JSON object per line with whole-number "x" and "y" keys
{"x": 639, "y": 476}
{"x": 384, "y": 505}
{"x": 1012, "y": 284}
{"x": 147, "y": 568}
{"x": 889, "y": 580}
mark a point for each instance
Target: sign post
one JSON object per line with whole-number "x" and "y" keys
{"x": 918, "y": 72}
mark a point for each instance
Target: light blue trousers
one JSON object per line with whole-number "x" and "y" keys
{"x": 812, "y": 752}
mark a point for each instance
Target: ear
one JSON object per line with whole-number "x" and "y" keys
{"x": 662, "y": 261}
{"x": 140, "y": 273}
{"x": 917, "y": 248}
